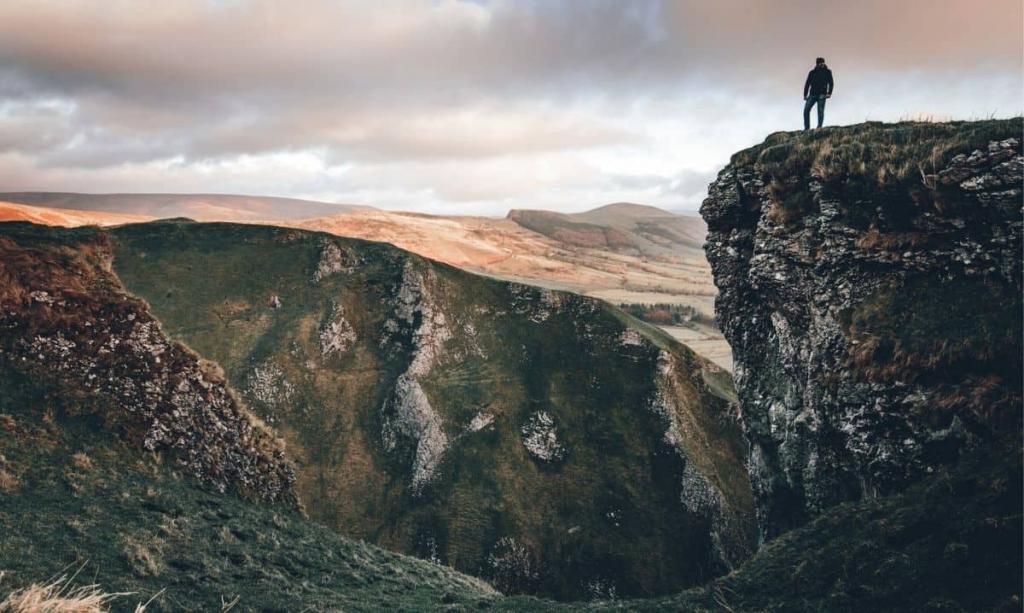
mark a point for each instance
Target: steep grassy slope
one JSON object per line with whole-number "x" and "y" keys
{"x": 951, "y": 542}
{"x": 73, "y": 495}
{"x": 125, "y": 452}
{"x": 542, "y": 439}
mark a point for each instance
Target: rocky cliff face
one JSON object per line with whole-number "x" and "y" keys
{"x": 67, "y": 324}
{"x": 870, "y": 282}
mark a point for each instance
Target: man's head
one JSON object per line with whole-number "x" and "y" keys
{"x": 819, "y": 62}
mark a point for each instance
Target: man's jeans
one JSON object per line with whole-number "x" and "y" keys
{"x": 811, "y": 100}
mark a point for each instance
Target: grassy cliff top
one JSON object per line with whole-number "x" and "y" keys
{"x": 887, "y": 153}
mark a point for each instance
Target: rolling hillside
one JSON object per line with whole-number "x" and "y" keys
{"x": 70, "y": 218}
{"x": 201, "y": 207}
{"x": 622, "y": 227}
{"x": 620, "y": 252}
{"x": 653, "y": 257}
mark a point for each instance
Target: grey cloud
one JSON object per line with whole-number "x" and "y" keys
{"x": 441, "y": 53}
{"x": 366, "y": 82}
{"x": 684, "y": 183}
{"x": 639, "y": 181}
{"x": 691, "y": 182}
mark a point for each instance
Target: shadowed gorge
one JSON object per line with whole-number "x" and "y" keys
{"x": 460, "y": 418}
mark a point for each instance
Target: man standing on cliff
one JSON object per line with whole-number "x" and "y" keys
{"x": 817, "y": 89}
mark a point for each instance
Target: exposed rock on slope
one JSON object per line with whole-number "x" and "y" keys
{"x": 75, "y": 496}
{"x": 870, "y": 283}
{"x": 66, "y": 321}
{"x": 424, "y": 433}
{"x": 540, "y": 437}
{"x": 407, "y": 412}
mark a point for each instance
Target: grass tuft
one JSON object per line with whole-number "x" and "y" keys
{"x": 59, "y": 595}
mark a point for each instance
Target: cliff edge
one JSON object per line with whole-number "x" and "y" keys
{"x": 870, "y": 281}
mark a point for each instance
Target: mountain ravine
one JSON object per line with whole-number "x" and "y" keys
{"x": 546, "y": 442}
{"x": 543, "y": 440}
{"x": 870, "y": 281}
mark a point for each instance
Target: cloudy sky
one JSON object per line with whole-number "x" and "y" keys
{"x": 466, "y": 106}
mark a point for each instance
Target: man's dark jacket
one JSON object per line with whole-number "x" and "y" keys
{"x": 819, "y": 82}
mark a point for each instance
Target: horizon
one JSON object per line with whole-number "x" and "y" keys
{"x": 355, "y": 207}
{"x": 465, "y": 108}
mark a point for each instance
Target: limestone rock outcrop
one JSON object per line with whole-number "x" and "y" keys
{"x": 870, "y": 287}
{"x": 65, "y": 321}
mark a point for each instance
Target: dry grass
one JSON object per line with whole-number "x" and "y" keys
{"x": 8, "y": 482}
{"x": 779, "y": 214}
{"x": 81, "y": 461}
{"x": 60, "y": 595}
{"x": 889, "y": 360}
{"x": 862, "y": 354}
{"x": 886, "y": 153}
{"x": 211, "y": 371}
{"x": 988, "y": 397}
{"x": 143, "y": 557}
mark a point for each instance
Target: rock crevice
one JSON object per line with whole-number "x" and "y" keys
{"x": 408, "y": 414}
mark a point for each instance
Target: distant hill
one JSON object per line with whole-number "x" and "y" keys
{"x": 624, "y": 227}
{"x": 619, "y": 252}
{"x": 10, "y": 211}
{"x": 622, "y": 253}
{"x": 201, "y": 207}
